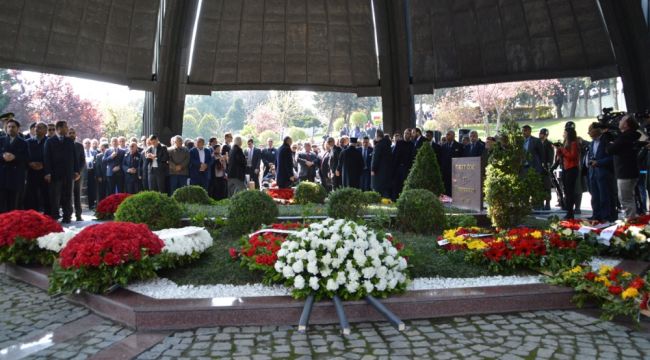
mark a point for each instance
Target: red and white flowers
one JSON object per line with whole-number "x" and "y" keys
{"x": 19, "y": 230}
{"x": 108, "y": 206}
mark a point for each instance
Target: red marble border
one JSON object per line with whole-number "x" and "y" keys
{"x": 145, "y": 313}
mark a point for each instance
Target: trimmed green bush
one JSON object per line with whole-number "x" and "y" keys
{"x": 420, "y": 211}
{"x": 249, "y": 210}
{"x": 425, "y": 173}
{"x": 346, "y": 203}
{"x": 192, "y": 194}
{"x": 372, "y": 197}
{"x": 460, "y": 220}
{"x": 155, "y": 209}
{"x": 309, "y": 192}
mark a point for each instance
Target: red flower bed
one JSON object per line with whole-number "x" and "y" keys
{"x": 108, "y": 206}
{"x": 25, "y": 224}
{"x": 110, "y": 244}
{"x": 259, "y": 252}
{"x": 282, "y": 196}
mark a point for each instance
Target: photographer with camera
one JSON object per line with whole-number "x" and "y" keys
{"x": 625, "y": 163}
{"x": 570, "y": 157}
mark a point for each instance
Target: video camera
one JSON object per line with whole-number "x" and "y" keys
{"x": 609, "y": 119}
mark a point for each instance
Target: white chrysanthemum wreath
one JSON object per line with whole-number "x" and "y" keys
{"x": 338, "y": 257}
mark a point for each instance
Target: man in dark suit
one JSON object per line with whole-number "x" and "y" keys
{"x": 112, "y": 162}
{"x": 253, "y": 162}
{"x": 132, "y": 169}
{"x": 89, "y": 173}
{"x": 36, "y": 196}
{"x": 351, "y": 165}
{"x": 366, "y": 155}
{"x": 335, "y": 154}
{"x": 100, "y": 172}
{"x": 548, "y": 156}
{"x": 419, "y": 139}
{"x": 13, "y": 166}
{"x": 268, "y": 156}
{"x": 156, "y": 163}
{"x": 451, "y": 149}
{"x": 308, "y": 164}
{"x": 403, "y": 156}
{"x": 236, "y": 168}
{"x": 200, "y": 162}
{"x": 533, "y": 148}
{"x": 381, "y": 168}
{"x": 61, "y": 170}
{"x": 284, "y": 165}
{"x": 601, "y": 176}
{"x": 476, "y": 147}
{"x": 325, "y": 170}
{"x": 81, "y": 165}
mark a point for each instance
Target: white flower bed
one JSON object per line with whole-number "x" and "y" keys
{"x": 185, "y": 241}
{"x": 57, "y": 241}
{"x": 167, "y": 289}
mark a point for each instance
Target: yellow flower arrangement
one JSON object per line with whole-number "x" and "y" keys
{"x": 576, "y": 270}
{"x": 630, "y": 293}
{"x": 603, "y": 279}
{"x": 476, "y": 245}
{"x": 604, "y": 270}
{"x": 385, "y": 201}
{"x": 536, "y": 234}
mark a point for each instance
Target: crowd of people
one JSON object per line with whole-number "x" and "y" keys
{"x": 48, "y": 169}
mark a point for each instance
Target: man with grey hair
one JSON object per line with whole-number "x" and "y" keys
{"x": 179, "y": 160}
{"x": 88, "y": 175}
{"x": 200, "y": 162}
{"x": 236, "y": 168}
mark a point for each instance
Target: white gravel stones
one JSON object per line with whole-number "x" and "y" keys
{"x": 167, "y": 289}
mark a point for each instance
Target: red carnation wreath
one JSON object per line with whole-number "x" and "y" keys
{"x": 104, "y": 255}
{"x": 108, "y": 206}
{"x": 18, "y": 231}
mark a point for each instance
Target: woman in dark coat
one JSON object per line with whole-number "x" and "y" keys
{"x": 284, "y": 165}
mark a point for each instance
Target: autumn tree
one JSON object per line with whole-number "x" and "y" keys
{"x": 493, "y": 97}
{"x": 539, "y": 91}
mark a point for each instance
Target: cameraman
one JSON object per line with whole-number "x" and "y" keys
{"x": 625, "y": 163}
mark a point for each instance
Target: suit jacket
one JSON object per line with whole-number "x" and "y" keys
{"x": 419, "y": 142}
{"x": 269, "y": 156}
{"x": 604, "y": 161}
{"x": 449, "y": 151}
{"x": 195, "y": 164}
{"x": 534, "y": 154}
{"x": 161, "y": 156}
{"x": 335, "y": 153}
{"x": 382, "y": 163}
{"x": 80, "y": 156}
{"x": 474, "y": 150}
{"x": 284, "y": 166}
{"x": 59, "y": 158}
{"x": 351, "y": 167}
{"x": 98, "y": 165}
{"x": 257, "y": 157}
{"x": 305, "y": 171}
{"x": 132, "y": 161}
{"x": 109, "y": 162}
{"x": 367, "y": 162}
{"x": 12, "y": 173}
{"x": 548, "y": 155}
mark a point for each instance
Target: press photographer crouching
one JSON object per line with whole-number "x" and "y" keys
{"x": 624, "y": 149}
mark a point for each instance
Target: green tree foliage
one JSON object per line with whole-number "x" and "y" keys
{"x": 192, "y": 194}
{"x": 425, "y": 172}
{"x": 123, "y": 120}
{"x": 307, "y": 120}
{"x": 7, "y": 81}
{"x": 358, "y": 119}
{"x": 217, "y": 104}
{"x": 157, "y": 210}
{"x": 507, "y": 186}
{"x": 420, "y": 211}
{"x": 236, "y": 116}
{"x": 338, "y": 124}
{"x": 265, "y": 135}
{"x": 346, "y": 203}
{"x": 309, "y": 192}
{"x": 297, "y": 134}
{"x": 248, "y": 210}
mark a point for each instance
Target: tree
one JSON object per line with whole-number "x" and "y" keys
{"x": 217, "y": 104}
{"x": 236, "y": 116}
{"x": 123, "y": 120}
{"x": 208, "y": 126}
{"x": 264, "y": 118}
{"x": 8, "y": 81}
{"x": 493, "y": 97}
{"x": 358, "y": 119}
{"x": 190, "y": 126}
{"x": 538, "y": 91}
{"x": 425, "y": 173}
{"x": 307, "y": 120}
{"x": 286, "y": 106}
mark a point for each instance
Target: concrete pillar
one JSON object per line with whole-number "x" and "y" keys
{"x": 392, "y": 37}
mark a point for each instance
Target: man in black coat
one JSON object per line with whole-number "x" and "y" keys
{"x": 419, "y": 140}
{"x": 366, "y": 155}
{"x": 307, "y": 161}
{"x": 269, "y": 155}
{"x": 476, "y": 147}
{"x": 351, "y": 165}
{"x": 132, "y": 169}
{"x": 335, "y": 154}
{"x": 253, "y": 161}
{"x": 236, "y": 168}
{"x": 626, "y": 168}
{"x": 403, "y": 156}
{"x": 81, "y": 165}
{"x": 381, "y": 169}
{"x": 36, "y": 196}
{"x": 325, "y": 169}
{"x": 284, "y": 165}
{"x": 61, "y": 170}
{"x": 100, "y": 172}
{"x": 13, "y": 165}
{"x": 112, "y": 163}
{"x": 451, "y": 149}
{"x": 157, "y": 160}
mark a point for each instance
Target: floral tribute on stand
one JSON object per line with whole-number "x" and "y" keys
{"x": 105, "y": 255}
{"x": 618, "y": 292}
{"x": 282, "y": 196}
{"x": 183, "y": 245}
{"x": 19, "y": 231}
{"x": 108, "y": 206}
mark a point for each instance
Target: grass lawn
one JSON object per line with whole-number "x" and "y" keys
{"x": 191, "y": 210}
{"x": 555, "y": 127}
{"x": 216, "y": 267}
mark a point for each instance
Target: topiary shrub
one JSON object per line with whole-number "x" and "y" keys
{"x": 372, "y": 197}
{"x": 249, "y": 210}
{"x": 425, "y": 173}
{"x": 309, "y": 192}
{"x": 192, "y": 194}
{"x": 460, "y": 220}
{"x": 155, "y": 209}
{"x": 420, "y": 211}
{"x": 346, "y": 203}
{"x": 509, "y": 191}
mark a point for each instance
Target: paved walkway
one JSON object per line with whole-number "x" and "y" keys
{"x": 33, "y": 325}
